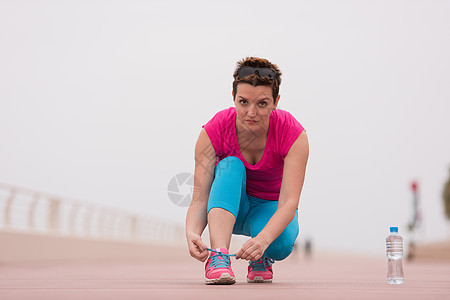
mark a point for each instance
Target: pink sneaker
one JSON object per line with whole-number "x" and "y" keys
{"x": 260, "y": 270}
{"x": 218, "y": 268}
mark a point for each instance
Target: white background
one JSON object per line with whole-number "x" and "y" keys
{"x": 103, "y": 101}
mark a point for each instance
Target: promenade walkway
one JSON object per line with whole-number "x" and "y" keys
{"x": 180, "y": 277}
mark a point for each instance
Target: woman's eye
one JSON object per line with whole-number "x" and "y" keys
{"x": 243, "y": 102}
{"x": 262, "y": 103}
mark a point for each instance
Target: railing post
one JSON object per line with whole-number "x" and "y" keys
{"x": 101, "y": 224}
{"x": 114, "y": 225}
{"x": 53, "y": 215}
{"x": 133, "y": 224}
{"x": 8, "y": 208}
{"x": 31, "y": 212}
{"x": 72, "y": 218}
{"x": 110, "y": 223}
{"x": 87, "y": 220}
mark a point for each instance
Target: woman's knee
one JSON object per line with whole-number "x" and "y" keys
{"x": 230, "y": 164}
{"x": 283, "y": 245}
{"x": 280, "y": 249}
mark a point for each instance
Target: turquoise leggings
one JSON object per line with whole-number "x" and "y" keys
{"x": 228, "y": 191}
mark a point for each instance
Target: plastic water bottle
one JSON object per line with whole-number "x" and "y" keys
{"x": 394, "y": 252}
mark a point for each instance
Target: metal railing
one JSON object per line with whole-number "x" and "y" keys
{"x": 27, "y": 210}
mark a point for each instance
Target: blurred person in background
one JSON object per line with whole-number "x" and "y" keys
{"x": 250, "y": 162}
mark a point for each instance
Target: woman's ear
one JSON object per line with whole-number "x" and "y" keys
{"x": 277, "y": 100}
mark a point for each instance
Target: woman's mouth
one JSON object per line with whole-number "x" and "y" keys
{"x": 251, "y": 121}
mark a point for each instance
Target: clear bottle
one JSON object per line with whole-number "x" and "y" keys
{"x": 394, "y": 252}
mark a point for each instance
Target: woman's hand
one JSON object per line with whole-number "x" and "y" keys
{"x": 197, "y": 248}
{"x": 253, "y": 249}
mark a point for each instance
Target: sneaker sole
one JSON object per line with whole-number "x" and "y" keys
{"x": 258, "y": 279}
{"x": 224, "y": 278}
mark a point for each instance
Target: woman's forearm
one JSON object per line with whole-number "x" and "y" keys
{"x": 196, "y": 218}
{"x": 205, "y": 163}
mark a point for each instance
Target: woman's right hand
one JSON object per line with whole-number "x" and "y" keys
{"x": 197, "y": 248}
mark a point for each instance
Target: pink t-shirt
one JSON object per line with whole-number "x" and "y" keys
{"x": 264, "y": 177}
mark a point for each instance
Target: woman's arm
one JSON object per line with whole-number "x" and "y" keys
{"x": 291, "y": 187}
{"x": 196, "y": 219}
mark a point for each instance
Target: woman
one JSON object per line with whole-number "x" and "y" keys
{"x": 250, "y": 163}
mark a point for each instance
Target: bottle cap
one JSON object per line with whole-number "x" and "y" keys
{"x": 394, "y": 229}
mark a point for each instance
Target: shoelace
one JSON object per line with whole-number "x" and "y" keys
{"x": 261, "y": 264}
{"x": 221, "y": 260}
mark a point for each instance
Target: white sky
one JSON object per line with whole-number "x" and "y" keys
{"x": 103, "y": 101}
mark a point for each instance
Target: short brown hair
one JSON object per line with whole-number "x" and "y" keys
{"x": 254, "y": 79}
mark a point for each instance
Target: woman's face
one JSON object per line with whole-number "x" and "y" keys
{"x": 253, "y": 106}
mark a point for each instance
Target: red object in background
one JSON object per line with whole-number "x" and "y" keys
{"x": 414, "y": 186}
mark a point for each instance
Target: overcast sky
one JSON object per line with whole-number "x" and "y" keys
{"x": 103, "y": 101}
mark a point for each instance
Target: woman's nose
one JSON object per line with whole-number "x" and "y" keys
{"x": 251, "y": 111}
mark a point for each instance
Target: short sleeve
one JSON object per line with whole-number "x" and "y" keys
{"x": 217, "y": 130}
{"x": 212, "y": 129}
{"x": 289, "y": 130}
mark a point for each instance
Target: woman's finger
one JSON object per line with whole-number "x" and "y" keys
{"x": 246, "y": 248}
{"x": 204, "y": 256}
{"x": 201, "y": 247}
{"x": 197, "y": 254}
{"x": 251, "y": 255}
{"x": 241, "y": 251}
{"x": 249, "y": 252}
{"x": 197, "y": 246}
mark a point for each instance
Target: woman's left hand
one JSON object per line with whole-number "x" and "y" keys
{"x": 253, "y": 249}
